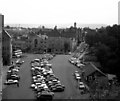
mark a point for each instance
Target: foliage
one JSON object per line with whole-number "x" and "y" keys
{"x": 107, "y": 44}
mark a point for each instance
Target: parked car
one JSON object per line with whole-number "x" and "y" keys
{"x": 57, "y": 89}
{"x": 10, "y": 81}
{"x": 13, "y": 77}
{"x": 80, "y": 65}
{"x": 11, "y": 67}
{"x": 36, "y": 60}
{"x": 77, "y": 75}
{"x": 19, "y": 62}
{"x": 81, "y": 86}
{"x": 45, "y": 96}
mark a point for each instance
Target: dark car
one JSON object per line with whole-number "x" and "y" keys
{"x": 12, "y": 73}
{"x": 45, "y": 96}
{"x": 11, "y": 67}
{"x": 57, "y": 89}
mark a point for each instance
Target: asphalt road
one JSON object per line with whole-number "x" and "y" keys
{"x": 62, "y": 69}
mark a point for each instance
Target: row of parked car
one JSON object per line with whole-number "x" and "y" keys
{"x": 12, "y": 76}
{"x": 78, "y": 75}
{"x": 77, "y": 62}
{"x": 44, "y": 82}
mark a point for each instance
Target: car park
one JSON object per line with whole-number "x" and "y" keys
{"x": 43, "y": 78}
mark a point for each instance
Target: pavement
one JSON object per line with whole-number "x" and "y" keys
{"x": 2, "y": 79}
{"x": 3, "y": 74}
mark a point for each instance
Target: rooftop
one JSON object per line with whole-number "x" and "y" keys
{"x": 91, "y": 67}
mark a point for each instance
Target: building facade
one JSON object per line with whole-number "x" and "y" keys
{"x": 1, "y": 30}
{"x": 43, "y": 43}
{"x": 6, "y": 48}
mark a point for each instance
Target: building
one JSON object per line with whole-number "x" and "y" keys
{"x": 92, "y": 72}
{"x": 43, "y": 43}
{"x": 119, "y": 13}
{"x": 19, "y": 44}
{"x": 5, "y": 44}
{"x": 1, "y": 30}
{"x": 6, "y": 48}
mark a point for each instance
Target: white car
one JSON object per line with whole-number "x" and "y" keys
{"x": 81, "y": 85}
{"x": 80, "y": 65}
{"x": 77, "y": 75}
{"x": 34, "y": 77}
{"x": 32, "y": 85}
{"x": 16, "y": 70}
{"x": 9, "y": 71}
{"x": 32, "y": 68}
{"x": 10, "y": 81}
{"x": 72, "y": 61}
{"x": 37, "y": 67}
{"x": 69, "y": 53}
{"x": 49, "y": 64}
{"x": 77, "y": 61}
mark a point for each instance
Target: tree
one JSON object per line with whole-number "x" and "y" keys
{"x": 8, "y": 27}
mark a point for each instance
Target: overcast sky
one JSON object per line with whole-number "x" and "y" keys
{"x": 59, "y": 11}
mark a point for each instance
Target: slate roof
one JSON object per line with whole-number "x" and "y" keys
{"x": 91, "y": 68}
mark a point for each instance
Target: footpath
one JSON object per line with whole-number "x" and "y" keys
{"x": 3, "y": 74}
{"x": 2, "y": 79}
